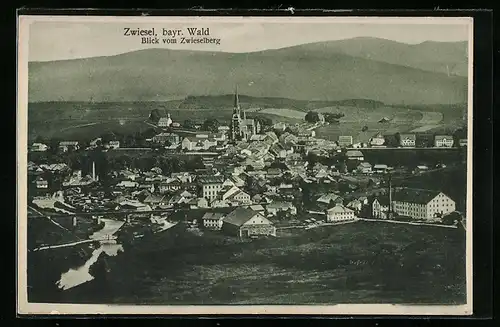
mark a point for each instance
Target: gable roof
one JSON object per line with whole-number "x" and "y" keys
{"x": 408, "y": 136}
{"x": 213, "y": 216}
{"x": 443, "y": 137}
{"x": 414, "y": 195}
{"x": 340, "y": 209}
{"x": 354, "y": 153}
{"x": 240, "y": 216}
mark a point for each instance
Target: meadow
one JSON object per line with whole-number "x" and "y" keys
{"x": 80, "y": 120}
{"x": 363, "y": 262}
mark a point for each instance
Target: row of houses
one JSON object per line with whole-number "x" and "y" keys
{"x": 405, "y": 140}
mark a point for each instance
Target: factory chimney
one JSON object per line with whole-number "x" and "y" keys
{"x": 95, "y": 178}
{"x": 390, "y": 196}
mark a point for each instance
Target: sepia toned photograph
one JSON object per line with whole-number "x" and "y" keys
{"x": 244, "y": 165}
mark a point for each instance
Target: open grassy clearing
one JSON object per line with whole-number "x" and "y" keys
{"x": 354, "y": 263}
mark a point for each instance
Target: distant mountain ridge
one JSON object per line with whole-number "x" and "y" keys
{"x": 361, "y": 68}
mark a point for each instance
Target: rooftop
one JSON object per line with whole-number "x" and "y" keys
{"x": 414, "y": 195}
{"x": 240, "y": 216}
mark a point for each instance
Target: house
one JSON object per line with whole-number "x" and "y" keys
{"x": 134, "y": 205}
{"x": 355, "y": 205}
{"x": 420, "y": 169}
{"x": 41, "y": 183}
{"x": 364, "y": 167}
{"x": 421, "y": 204}
{"x": 407, "y": 140}
{"x": 345, "y": 140}
{"x": 212, "y": 220}
{"x": 280, "y": 206}
{"x": 197, "y": 143}
{"x": 377, "y": 140}
{"x": 380, "y": 169}
{"x": 355, "y": 155}
{"x": 257, "y": 138}
{"x": 39, "y": 147}
{"x": 339, "y": 213}
{"x": 380, "y": 207}
{"x": 114, "y": 144}
{"x": 244, "y": 222}
{"x": 127, "y": 184}
{"x": 235, "y": 180}
{"x": 165, "y": 121}
{"x": 278, "y": 151}
{"x": 328, "y": 198}
{"x": 271, "y": 138}
{"x": 66, "y": 146}
{"x": 233, "y": 195}
{"x": 443, "y": 141}
{"x": 274, "y": 173}
{"x": 156, "y": 200}
{"x": 163, "y": 138}
{"x": 223, "y": 129}
{"x": 288, "y": 138}
{"x": 279, "y": 126}
{"x": 258, "y": 208}
{"x": 210, "y": 186}
{"x": 462, "y": 142}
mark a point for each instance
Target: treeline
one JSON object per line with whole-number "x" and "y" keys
{"x": 314, "y": 117}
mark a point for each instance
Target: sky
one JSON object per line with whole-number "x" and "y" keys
{"x": 60, "y": 38}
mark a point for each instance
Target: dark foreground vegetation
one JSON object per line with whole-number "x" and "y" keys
{"x": 354, "y": 263}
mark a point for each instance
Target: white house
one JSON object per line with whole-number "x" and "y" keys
{"x": 213, "y": 220}
{"x": 407, "y": 140}
{"x": 279, "y": 206}
{"x": 39, "y": 147}
{"x": 339, "y": 213}
{"x": 443, "y": 141}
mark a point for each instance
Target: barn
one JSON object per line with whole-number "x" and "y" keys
{"x": 245, "y": 222}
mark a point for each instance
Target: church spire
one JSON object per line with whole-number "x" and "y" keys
{"x": 236, "y": 99}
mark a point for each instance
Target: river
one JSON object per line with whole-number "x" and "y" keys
{"x": 108, "y": 244}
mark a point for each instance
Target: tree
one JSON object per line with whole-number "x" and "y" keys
{"x": 397, "y": 138}
{"x": 189, "y": 124}
{"x": 333, "y": 118}
{"x": 312, "y": 117}
{"x": 264, "y": 121}
{"x": 364, "y": 129}
{"x": 155, "y": 116}
{"x": 211, "y": 125}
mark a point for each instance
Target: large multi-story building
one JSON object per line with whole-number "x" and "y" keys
{"x": 242, "y": 128}
{"x": 421, "y": 204}
{"x": 210, "y": 186}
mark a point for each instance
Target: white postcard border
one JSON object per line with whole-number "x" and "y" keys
{"x": 23, "y": 307}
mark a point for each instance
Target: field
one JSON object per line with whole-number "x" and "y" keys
{"x": 362, "y": 262}
{"x": 83, "y": 121}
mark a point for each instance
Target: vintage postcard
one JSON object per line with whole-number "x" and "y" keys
{"x": 244, "y": 165}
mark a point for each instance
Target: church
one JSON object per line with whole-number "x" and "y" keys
{"x": 242, "y": 128}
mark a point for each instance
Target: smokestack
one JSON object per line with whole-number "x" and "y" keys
{"x": 390, "y": 195}
{"x": 93, "y": 170}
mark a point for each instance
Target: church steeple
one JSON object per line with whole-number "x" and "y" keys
{"x": 236, "y": 99}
